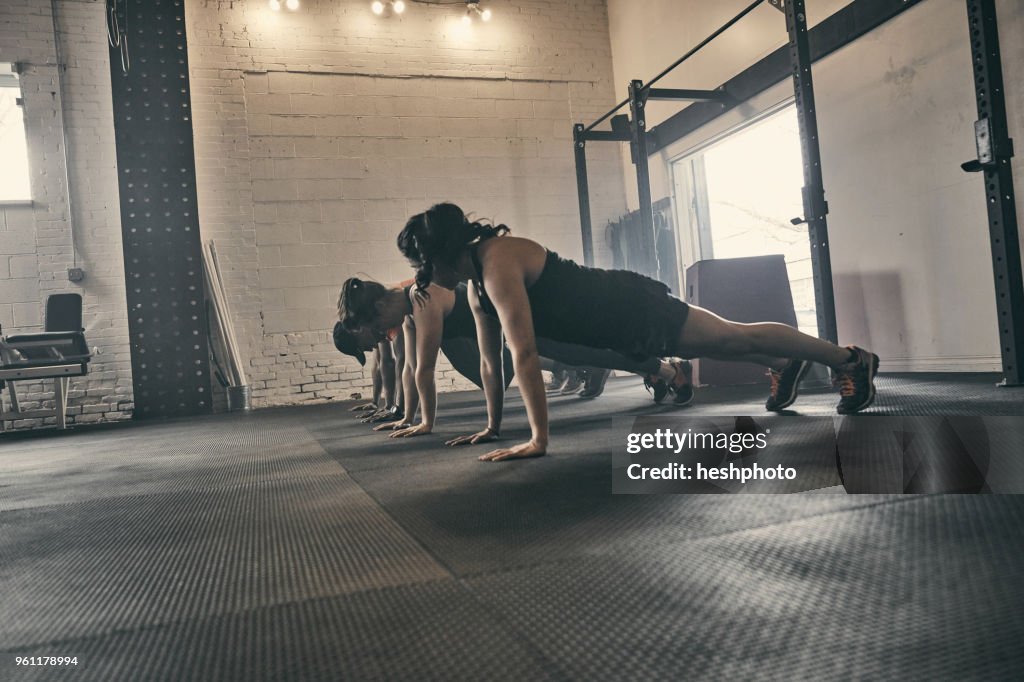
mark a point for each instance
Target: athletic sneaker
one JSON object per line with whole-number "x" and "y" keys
{"x": 558, "y": 377}
{"x": 572, "y": 384}
{"x": 682, "y": 385}
{"x": 657, "y": 386}
{"x": 785, "y": 385}
{"x": 594, "y": 385}
{"x": 856, "y": 381}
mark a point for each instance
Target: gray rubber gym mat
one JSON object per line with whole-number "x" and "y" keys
{"x": 478, "y": 517}
{"x": 434, "y": 631}
{"x": 898, "y": 394}
{"x": 926, "y": 589}
{"x": 128, "y": 562}
{"x": 164, "y": 457}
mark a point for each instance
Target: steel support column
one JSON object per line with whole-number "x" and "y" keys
{"x": 579, "y": 146}
{"x": 648, "y": 240}
{"x": 815, "y": 206}
{"x": 995, "y": 149}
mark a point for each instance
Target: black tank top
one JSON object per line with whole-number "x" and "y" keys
{"x": 460, "y": 322}
{"x": 615, "y": 309}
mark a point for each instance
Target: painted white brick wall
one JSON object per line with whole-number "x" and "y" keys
{"x": 36, "y": 242}
{"x": 319, "y": 132}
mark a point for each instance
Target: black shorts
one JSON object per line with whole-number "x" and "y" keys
{"x": 616, "y": 309}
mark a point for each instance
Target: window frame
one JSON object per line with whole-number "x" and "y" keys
{"x": 10, "y": 79}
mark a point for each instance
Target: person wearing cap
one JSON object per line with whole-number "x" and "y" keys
{"x": 385, "y": 367}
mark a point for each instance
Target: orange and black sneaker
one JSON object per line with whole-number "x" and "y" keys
{"x": 682, "y": 384}
{"x": 785, "y": 385}
{"x": 856, "y": 381}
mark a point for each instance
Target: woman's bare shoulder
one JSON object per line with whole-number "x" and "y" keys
{"x": 511, "y": 249}
{"x": 440, "y": 292}
{"x": 438, "y": 299}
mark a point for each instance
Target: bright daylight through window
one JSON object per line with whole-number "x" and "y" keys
{"x": 14, "y": 171}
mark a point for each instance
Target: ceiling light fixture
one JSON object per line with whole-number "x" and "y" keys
{"x": 293, "y": 4}
{"x": 396, "y": 6}
{"x": 275, "y": 5}
{"x": 473, "y": 9}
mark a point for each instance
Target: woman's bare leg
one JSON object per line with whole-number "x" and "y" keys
{"x": 778, "y": 364}
{"x": 710, "y": 336}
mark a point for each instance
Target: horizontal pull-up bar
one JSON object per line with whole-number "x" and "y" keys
{"x": 690, "y": 95}
{"x": 605, "y": 136}
{"x": 701, "y": 45}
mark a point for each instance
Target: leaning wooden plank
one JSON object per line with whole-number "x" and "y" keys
{"x": 214, "y": 293}
{"x": 223, "y": 321}
{"x": 227, "y": 314}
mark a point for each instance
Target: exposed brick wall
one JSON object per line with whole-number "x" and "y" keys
{"x": 37, "y": 244}
{"x": 319, "y": 132}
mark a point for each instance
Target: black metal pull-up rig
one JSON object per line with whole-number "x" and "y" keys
{"x": 636, "y": 132}
{"x": 995, "y": 148}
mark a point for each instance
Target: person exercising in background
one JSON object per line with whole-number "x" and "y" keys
{"x": 443, "y": 320}
{"x": 387, "y": 360}
{"x": 387, "y": 365}
{"x": 533, "y": 292}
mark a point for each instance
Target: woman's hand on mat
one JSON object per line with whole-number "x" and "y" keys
{"x": 418, "y": 430}
{"x": 364, "y": 407}
{"x": 392, "y": 426}
{"x": 485, "y": 436}
{"x": 383, "y": 414}
{"x": 522, "y": 450}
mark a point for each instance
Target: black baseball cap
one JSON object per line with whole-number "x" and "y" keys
{"x": 345, "y": 341}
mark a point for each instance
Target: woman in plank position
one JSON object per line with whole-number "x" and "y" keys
{"x": 437, "y": 319}
{"x": 533, "y": 292}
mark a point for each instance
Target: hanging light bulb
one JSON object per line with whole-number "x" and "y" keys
{"x": 377, "y": 7}
{"x": 473, "y": 9}
{"x": 293, "y": 5}
{"x": 398, "y": 6}
{"x": 275, "y": 5}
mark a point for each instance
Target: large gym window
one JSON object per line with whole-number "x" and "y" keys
{"x": 738, "y": 196}
{"x": 14, "y": 172}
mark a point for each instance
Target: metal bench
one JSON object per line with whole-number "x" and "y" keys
{"x": 58, "y": 353}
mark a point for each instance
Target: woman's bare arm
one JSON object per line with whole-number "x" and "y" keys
{"x": 488, "y": 336}
{"x": 505, "y": 283}
{"x": 407, "y": 378}
{"x": 429, "y": 322}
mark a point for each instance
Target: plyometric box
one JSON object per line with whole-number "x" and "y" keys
{"x": 752, "y": 289}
